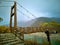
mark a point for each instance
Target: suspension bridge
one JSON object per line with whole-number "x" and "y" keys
{"x": 13, "y": 12}
{"x": 23, "y": 30}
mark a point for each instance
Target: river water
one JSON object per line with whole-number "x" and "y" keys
{"x": 41, "y": 37}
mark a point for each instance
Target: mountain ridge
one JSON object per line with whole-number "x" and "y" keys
{"x": 36, "y": 22}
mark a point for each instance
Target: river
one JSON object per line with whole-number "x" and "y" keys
{"x": 41, "y": 37}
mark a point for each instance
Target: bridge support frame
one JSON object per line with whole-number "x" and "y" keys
{"x": 15, "y": 31}
{"x": 13, "y": 8}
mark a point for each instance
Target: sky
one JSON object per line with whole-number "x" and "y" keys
{"x": 39, "y": 8}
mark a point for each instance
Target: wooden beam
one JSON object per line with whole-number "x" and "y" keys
{"x": 12, "y": 7}
{"x": 12, "y": 14}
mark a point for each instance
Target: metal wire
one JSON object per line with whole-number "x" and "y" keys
{"x": 22, "y": 13}
{"x": 26, "y": 10}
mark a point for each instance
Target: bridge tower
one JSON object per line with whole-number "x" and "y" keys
{"x": 13, "y": 13}
{"x": 14, "y": 30}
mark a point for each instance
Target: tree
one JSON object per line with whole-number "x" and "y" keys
{"x": 1, "y": 19}
{"x": 51, "y": 26}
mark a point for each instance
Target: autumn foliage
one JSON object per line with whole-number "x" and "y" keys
{"x": 4, "y": 29}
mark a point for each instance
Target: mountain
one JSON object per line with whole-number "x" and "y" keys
{"x": 41, "y": 20}
{"x": 26, "y": 24}
{"x": 37, "y": 22}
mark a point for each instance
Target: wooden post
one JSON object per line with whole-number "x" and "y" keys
{"x": 11, "y": 21}
{"x": 15, "y": 18}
